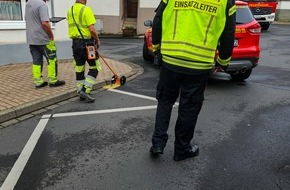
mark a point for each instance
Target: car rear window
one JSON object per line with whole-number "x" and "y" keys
{"x": 244, "y": 15}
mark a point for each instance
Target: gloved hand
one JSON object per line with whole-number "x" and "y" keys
{"x": 217, "y": 65}
{"x": 156, "y": 49}
{"x": 51, "y": 45}
{"x": 157, "y": 58}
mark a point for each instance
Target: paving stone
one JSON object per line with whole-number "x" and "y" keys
{"x": 20, "y": 99}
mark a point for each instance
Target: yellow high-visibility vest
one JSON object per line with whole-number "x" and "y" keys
{"x": 191, "y": 31}
{"x": 84, "y": 17}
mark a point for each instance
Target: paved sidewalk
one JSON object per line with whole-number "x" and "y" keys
{"x": 19, "y": 99}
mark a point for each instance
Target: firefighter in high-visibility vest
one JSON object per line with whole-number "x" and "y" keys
{"x": 40, "y": 38}
{"x": 187, "y": 34}
{"x": 85, "y": 42}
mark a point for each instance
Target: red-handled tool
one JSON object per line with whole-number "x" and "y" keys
{"x": 116, "y": 81}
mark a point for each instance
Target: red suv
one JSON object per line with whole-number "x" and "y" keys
{"x": 247, "y": 43}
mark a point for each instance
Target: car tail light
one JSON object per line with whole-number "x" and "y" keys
{"x": 255, "y": 29}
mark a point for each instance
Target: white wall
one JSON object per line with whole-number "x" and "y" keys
{"x": 149, "y": 3}
{"x": 61, "y": 7}
{"x": 60, "y": 29}
{"x": 105, "y": 7}
{"x": 284, "y": 5}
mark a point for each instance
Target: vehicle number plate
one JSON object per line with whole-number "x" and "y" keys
{"x": 236, "y": 42}
{"x": 257, "y": 16}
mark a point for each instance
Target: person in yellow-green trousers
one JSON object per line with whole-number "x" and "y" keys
{"x": 40, "y": 38}
{"x": 81, "y": 30}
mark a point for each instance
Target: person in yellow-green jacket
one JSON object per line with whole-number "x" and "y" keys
{"x": 40, "y": 38}
{"x": 187, "y": 34}
{"x": 85, "y": 42}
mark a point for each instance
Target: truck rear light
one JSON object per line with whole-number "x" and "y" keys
{"x": 255, "y": 29}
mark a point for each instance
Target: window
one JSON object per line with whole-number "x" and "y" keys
{"x": 12, "y": 13}
{"x": 10, "y": 10}
{"x": 244, "y": 15}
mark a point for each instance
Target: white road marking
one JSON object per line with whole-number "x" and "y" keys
{"x": 133, "y": 94}
{"x": 104, "y": 111}
{"x": 46, "y": 116}
{"x": 23, "y": 158}
{"x": 114, "y": 110}
{"x": 137, "y": 95}
{"x": 20, "y": 163}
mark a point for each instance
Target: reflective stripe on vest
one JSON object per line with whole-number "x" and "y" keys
{"x": 187, "y": 63}
{"x": 73, "y": 31}
{"x": 232, "y": 10}
{"x": 223, "y": 62}
{"x": 191, "y": 31}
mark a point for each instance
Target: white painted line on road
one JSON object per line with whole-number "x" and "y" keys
{"x": 137, "y": 95}
{"x": 46, "y": 116}
{"x": 114, "y": 110}
{"x": 133, "y": 94}
{"x": 23, "y": 158}
{"x": 17, "y": 169}
{"x": 104, "y": 111}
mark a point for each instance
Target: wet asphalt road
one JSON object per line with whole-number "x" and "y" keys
{"x": 243, "y": 133}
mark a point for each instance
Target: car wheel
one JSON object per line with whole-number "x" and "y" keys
{"x": 265, "y": 25}
{"x": 241, "y": 76}
{"x": 146, "y": 53}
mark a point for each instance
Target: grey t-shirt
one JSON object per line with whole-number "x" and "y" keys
{"x": 36, "y": 11}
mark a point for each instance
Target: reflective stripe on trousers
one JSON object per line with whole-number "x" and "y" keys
{"x": 37, "y": 52}
{"x": 80, "y": 59}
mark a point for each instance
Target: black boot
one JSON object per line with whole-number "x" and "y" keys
{"x": 41, "y": 85}
{"x": 57, "y": 83}
{"x": 192, "y": 152}
{"x": 86, "y": 96}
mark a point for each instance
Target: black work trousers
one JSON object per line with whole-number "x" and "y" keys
{"x": 191, "y": 89}
{"x": 80, "y": 56}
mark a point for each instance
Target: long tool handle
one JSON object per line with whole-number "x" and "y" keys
{"x": 107, "y": 64}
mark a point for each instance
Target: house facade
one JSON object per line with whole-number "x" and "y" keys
{"x": 283, "y": 11}
{"x": 112, "y": 17}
